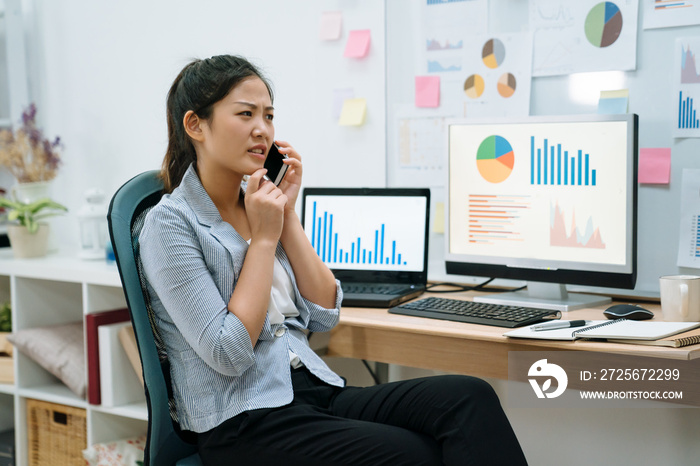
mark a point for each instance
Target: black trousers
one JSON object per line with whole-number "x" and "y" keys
{"x": 452, "y": 420}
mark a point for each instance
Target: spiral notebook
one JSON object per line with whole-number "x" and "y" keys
{"x": 620, "y": 330}
{"x": 691, "y": 337}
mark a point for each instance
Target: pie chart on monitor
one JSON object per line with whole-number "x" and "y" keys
{"x": 495, "y": 159}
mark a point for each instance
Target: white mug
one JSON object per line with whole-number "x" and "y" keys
{"x": 680, "y": 298}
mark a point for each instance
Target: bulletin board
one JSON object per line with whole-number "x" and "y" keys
{"x": 645, "y": 59}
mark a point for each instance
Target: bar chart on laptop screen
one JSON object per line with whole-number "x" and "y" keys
{"x": 367, "y": 232}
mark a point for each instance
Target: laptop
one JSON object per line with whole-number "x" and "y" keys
{"x": 375, "y": 240}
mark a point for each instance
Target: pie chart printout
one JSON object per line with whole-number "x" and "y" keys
{"x": 493, "y": 53}
{"x": 603, "y": 24}
{"x": 474, "y": 86}
{"x": 495, "y": 159}
{"x": 506, "y": 85}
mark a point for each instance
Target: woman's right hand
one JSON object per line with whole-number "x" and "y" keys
{"x": 264, "y": 204}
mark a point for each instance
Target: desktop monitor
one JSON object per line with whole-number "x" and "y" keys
{"x": 551, "y": 200}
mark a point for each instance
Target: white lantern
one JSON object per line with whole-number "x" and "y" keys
{"x": 93, "y": 225}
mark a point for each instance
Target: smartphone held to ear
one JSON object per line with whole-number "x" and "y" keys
{"x": 276, "y": 169}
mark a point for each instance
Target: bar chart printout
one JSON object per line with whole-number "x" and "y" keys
{"x": 371, "y": 236}
{"x": 689, "y": 227}
{"x": 550, "y": 164}
{"x": 695, "y": 236}
{"x": 689, "y": 248}
{"x": 687, "y": 114}
{"x": 687, "y": 88}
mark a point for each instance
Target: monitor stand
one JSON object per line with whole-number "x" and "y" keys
{"x": 545, "y": 296}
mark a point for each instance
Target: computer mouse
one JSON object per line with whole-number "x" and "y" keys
{"x": 627, "y": 311}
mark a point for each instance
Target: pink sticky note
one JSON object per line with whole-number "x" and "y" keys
{"x": 655, "y": 165}
{"x": 331, "y": 22}
{"x": 358, "y": 44}
{"x": 427, "y": 91}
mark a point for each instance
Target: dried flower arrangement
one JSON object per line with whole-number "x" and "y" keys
{"x": 27, "y": 154}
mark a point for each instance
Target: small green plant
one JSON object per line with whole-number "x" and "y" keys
{"x": 29, "y": 214}
{"x": 5, "y": 318}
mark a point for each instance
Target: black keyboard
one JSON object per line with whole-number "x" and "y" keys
{"x": 498, "y": 315}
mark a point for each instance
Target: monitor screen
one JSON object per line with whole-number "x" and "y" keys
{"x": 544, "y": 199}
{"x": 375, "y": 234}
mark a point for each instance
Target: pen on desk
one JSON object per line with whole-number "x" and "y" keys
{"x": 558, "y": 324}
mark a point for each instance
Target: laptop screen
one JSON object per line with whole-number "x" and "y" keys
{"x": 369, "y": 233}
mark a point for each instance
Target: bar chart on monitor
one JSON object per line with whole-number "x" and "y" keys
{"x": 356, "y": 232}
{"x": 552, "y": 164}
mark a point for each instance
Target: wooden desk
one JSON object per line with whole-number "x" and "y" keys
{"x": 480, "y": 350}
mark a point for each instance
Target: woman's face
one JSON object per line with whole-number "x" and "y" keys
{"x": 240, "y": 132}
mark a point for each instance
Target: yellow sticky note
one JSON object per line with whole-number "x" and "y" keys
{"x": 615, "y": 94}
{"x": 439, "y": 219}
{"x": 353, "y": 113}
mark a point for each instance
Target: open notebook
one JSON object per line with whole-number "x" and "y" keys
{"x": 620, "y": 329}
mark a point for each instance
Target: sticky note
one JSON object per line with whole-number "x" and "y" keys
{"x": 613, "y": 102}
{"x": 353, "y": 113}
{"x": 358, "y": 43}
{"x": 612, "y": 106}
{"x": 614, "y": 94}
{"x": 655, "y": 165}
{"x": 339, "y": 98}
{"x": 427, "y": 91}
{"x": 331, "y": 23}
{"x": 439, "y": 219}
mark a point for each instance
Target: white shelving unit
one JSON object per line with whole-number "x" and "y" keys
{"x": 59, "y": 289}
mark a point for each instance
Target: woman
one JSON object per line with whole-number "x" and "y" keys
{"x": 235, "y": 285}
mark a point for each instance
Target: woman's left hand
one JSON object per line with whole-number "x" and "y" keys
{"x": 291, "y": 183}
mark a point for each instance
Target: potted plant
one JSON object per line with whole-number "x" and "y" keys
{"x": 28, "y": 235}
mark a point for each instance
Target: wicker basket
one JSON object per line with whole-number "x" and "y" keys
{"x": 57, "y": 434}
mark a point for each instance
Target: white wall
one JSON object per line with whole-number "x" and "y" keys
{"x": 100, "y": 73}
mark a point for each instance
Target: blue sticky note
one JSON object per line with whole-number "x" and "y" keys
{"x": 612, "y": 106}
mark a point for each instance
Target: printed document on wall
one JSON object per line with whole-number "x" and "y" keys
{"x": 496, "y": 78}
{"x": 447, "y": 26}
{"x": 686, "y": 88}
{"x": 689, "y": 240}
{"x": 668, "y": 14}
{"x": 585, "y": 35}
{"x": 421, "y": 158}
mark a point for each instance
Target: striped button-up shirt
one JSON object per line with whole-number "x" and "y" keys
{"x": 192, "y": 260}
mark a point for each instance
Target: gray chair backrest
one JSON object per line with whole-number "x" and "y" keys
{"x": 166, "y": 444}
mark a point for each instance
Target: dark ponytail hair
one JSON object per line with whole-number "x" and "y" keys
{"x": 200, "y": 85}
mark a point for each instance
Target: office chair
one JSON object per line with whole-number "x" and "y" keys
{"x": 166, "y": 445}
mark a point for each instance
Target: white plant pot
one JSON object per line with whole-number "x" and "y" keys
{"x": 26, "y": 245}
{"x": 31, "y": 191}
